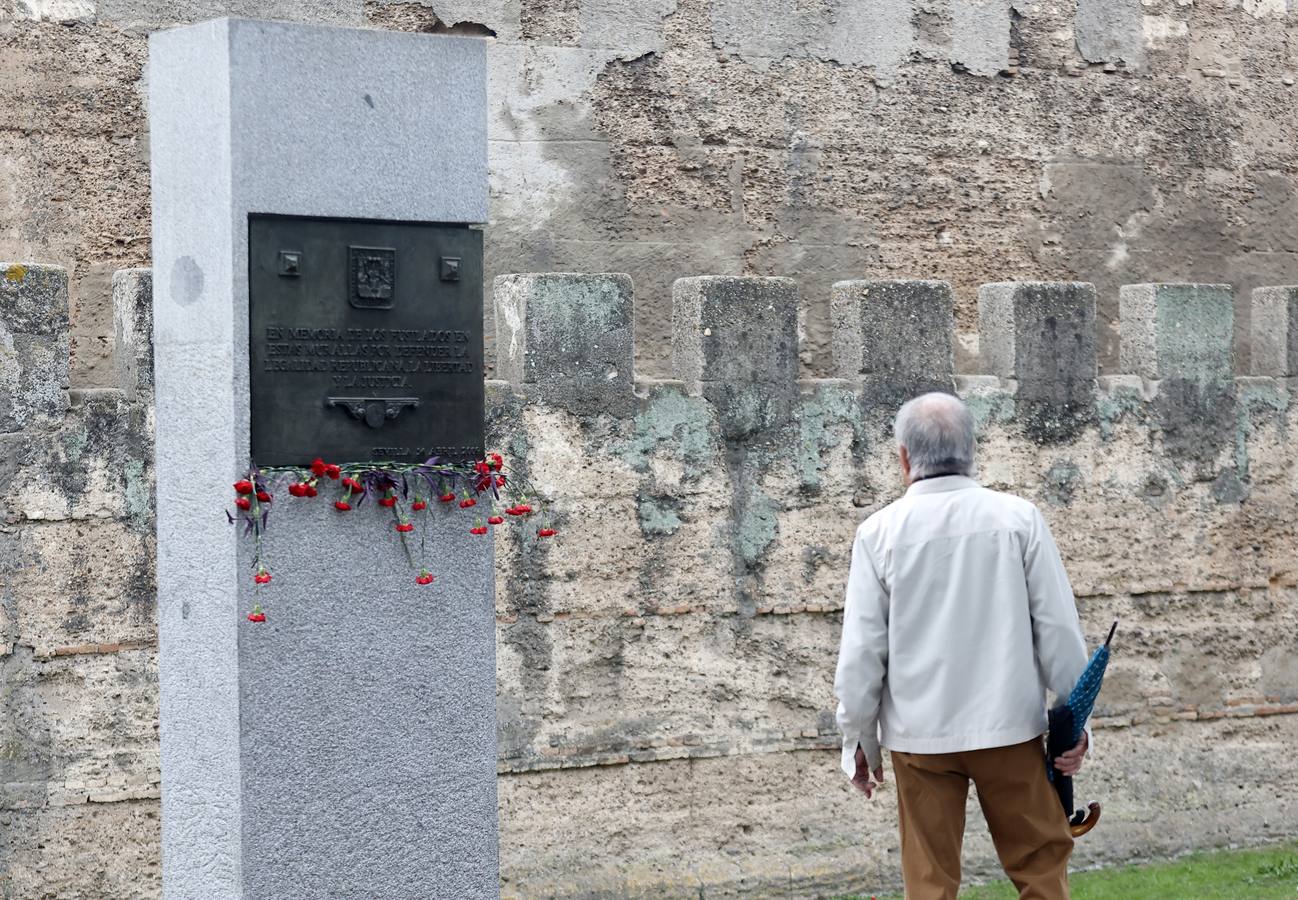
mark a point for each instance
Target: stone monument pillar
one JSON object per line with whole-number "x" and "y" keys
{"x": 312, "y": 192}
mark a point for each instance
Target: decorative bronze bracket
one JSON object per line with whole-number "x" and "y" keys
{"x": 373, "y": 411}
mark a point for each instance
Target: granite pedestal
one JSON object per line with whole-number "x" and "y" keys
{"x": 347, "y": 746}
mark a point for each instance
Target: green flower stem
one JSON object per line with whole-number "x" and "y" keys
{"x": 256, "y": 532}
{"x": 396, "y": 517}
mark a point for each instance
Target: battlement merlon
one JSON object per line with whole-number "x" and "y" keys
{"x": 133, "y": 331}
{"x": 568, "y": 338}
{"x": 896, "y": 336}
{"x": 735, "y": 343}
{"x": 34, "y": 345}
{"x": 1275, "y": 331}
{"x": 1177, "y": 331}
{"x": 1041, "y": 337}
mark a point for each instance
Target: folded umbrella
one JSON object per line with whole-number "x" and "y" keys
{"x": 1066, "y": 723}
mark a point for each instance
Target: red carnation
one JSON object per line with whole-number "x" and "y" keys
{"x": 310, "y": 491}
{"x": 447, "y": 497}
{"x": 546, "y": 532}
{"x": 405, "y": 526}
{"x": 496, "y": 520}
{"x": 263, "y": 497}
{"x": 500, "y": 481}
{"x": 389, "y": 502}
{"x": 318, "y": 467}
{"x": 424, "y": 578}
{"x": 467, "y": 502}
{"x": 342, "y": 505}
{"x": 418, "y": 505}
{"x": 243, "y": 503}
{"x": 478, "y": 529}
{"x": 333, "y": 472}
{"x": 514, "y": 511}
{"x": 243, "y": 487}
{"x": 256, "y": 615}
{"x": 262, "y": 577}
{"x": 497, "y": 461}
{"x": 481, "y": 468}
{"x": 297, "y": 489}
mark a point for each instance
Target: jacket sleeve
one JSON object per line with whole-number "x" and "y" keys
{"x": 862, "y": 659}
{"x": 1056, "y": 630}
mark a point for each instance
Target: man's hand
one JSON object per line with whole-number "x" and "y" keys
{"x": 865, "y": 780}
{"x": 1070, "y": 763}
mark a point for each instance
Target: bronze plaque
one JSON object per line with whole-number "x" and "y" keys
{"x": 365, "y": 340}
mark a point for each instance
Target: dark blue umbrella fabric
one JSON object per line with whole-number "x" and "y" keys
{"x": 1067, "y": 721}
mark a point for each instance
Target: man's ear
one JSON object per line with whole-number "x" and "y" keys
{"x": 905, "y": 464}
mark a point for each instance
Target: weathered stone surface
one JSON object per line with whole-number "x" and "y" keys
{"x": 133, "y": 330}
{"x": 736, "y": 330}
{"x": 980, "y": 32}
{"x": 1042, "y": 336}
{"x": 96, "y": 464}
{"x": 1275, "y": 331}
{"x": 1026, "y": 326}
{"x": 155, "y": 13}
{"x": 82, "y": 583}
{"x": 79, "y": 790}
{"x": 735, "y": 341}
{"x": 35, "y": 302}
{"x": 78, "y": 678}
{"x": 824, "y": 141}
{"x": 896, "y": 330}
{"x": 795, "y": 829}
{"x": 1111, "y": 31}
{"x": 837, "y": 32}
{"x": 93, "y": 850}
{"x": 55, "y": 10}
{"x": 1177, "y": 331}
{"x": 1181, "y": 336}
{"x": 112, "y": 741}
{"x": 33, "y": 344}
{"x": 71, "y": 126}
{"x": 568, "y": 337}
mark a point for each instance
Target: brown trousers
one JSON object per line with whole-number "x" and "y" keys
{"x": 1027, "y": 823}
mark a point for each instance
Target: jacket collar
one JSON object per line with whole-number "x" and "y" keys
{"x": 941, "y": 484}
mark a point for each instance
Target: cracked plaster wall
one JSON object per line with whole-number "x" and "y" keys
{"x": 1108, "y": 141}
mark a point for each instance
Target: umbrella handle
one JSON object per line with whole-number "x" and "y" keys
{"x": 1092, "y": 817}
{"x": 1111, "y": 630}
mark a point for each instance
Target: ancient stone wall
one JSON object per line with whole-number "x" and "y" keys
{"x": 665, "y": 697}
{"x": 665, "y": 665}
{"x": 78, "y": 633}
{"x": 1102, "y": 140}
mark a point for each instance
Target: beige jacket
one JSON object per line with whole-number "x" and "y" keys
{"x": 958, "y": 619}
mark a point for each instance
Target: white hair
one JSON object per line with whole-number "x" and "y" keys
{"x": 938, "y": 433}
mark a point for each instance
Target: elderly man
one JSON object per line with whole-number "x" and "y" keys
{"x": 958, "y": 617}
